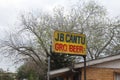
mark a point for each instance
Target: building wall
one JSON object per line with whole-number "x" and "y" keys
{"x": 100, "y": 73}
{"x": 94, "y": 73}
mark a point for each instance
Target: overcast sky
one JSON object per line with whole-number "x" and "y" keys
{"x": 11, "y": 9}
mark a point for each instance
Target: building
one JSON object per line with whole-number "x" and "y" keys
{"x": 107, "y": 68}
{"x": 7, "y": 76}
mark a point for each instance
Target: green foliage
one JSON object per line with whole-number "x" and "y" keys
{"x": 31, "y": 77}
{"x": 60, "y": 60}
{"x": 6, "y": 77}
{"x": 21, "y": 74}
{"x": 30, "y": 73}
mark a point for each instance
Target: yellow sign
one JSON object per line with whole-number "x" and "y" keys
{"x": 69, "y": 43}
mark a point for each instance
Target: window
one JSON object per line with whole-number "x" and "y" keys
{"x": 117, "y": 76}
{"x": 77, "y": 76}
{"x": 57, "y": 78}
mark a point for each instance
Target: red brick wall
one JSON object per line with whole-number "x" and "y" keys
{"x": 99, "y": 73}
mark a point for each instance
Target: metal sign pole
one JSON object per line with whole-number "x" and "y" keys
{"x": 48, "y": 75}
{"x": 84, "y": 67}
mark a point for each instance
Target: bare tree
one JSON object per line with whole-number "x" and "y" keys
{"x": 34, "y": 38}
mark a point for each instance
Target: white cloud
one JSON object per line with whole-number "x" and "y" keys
{"x": 112, "y": 6}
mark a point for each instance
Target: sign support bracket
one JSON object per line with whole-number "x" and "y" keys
{"x": 84, "y": 67}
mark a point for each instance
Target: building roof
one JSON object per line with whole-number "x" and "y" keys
{"x": 88, "y": 63}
